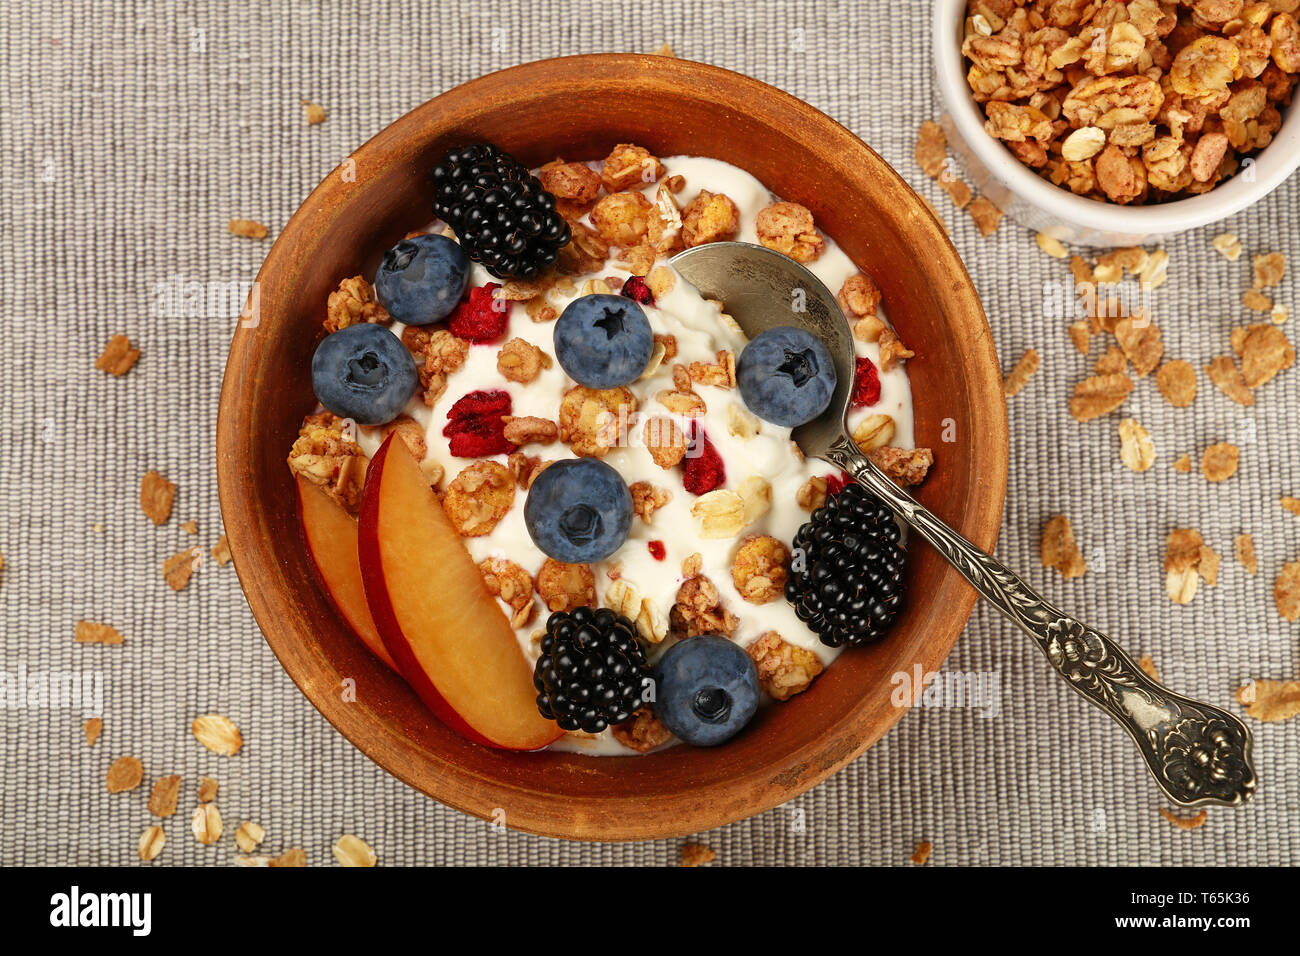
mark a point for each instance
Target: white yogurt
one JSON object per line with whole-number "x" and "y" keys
{"x": 700, "y": 333}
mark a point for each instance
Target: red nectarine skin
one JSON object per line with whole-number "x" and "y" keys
{"x": 331, "y": 535}
{"x": 449, "y": 637}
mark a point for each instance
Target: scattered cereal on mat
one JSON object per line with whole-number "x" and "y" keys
{"x": 248, "y": 228}
{"x": 118, "y": 356}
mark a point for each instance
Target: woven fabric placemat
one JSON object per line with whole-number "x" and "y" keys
{"x": 131, "y": 132}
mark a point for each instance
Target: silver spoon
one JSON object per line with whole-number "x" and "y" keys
{"x": 1197, "y": 753}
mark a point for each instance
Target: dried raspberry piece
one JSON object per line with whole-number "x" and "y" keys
{"x": 480, "y": 318}
{"x": 836, "y": 483}
{"x": 702, "y": 468}
{"x": 480, "y": 403}
{"x": 635, "y": 288}
{"x": 866, "y": 383}
{"x": 474, "y": 425}
{"x": 657, "y": 550}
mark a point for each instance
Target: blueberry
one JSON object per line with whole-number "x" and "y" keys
{"x": 603, "y": 341}
{"x": 364, "y": 372}
{"x": 707, "y": 689}
{"x": 422, "y": 279}
{"x": 786, "y": 376}
{"x": 578, "y": 510}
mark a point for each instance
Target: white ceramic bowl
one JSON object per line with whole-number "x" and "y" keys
{"x": 1034, "y": 202}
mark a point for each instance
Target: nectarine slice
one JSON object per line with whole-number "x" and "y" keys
{"x": 332, "y": 543}
{"x": 450, "y": 639}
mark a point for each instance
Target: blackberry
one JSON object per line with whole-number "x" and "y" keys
{"x": 849, "y": 586}
{"x": 592, "y": 672}
{"x": 502, "y": 215}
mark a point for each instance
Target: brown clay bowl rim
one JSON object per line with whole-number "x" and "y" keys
{"x": 464, "y": 788}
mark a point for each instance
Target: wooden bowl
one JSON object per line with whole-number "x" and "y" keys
{"x": 578, "y": 108}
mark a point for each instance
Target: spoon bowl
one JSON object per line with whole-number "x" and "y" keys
{"x": 1198, "y": 754}
{"x": 751, "y": 279}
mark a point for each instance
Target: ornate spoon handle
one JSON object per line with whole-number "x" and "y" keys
{"x": 1197, "y": 753}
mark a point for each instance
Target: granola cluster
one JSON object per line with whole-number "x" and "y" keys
{"x": 521, "y": 361}
{"x": 648, "y": 498}
{"x": 410, "y": 432}
{"x": 783, "y": 669}
{"x": 479, "y": 497}
{"x": 709, "y": 217}
{"x": 720, "y": 373}
{"x": 564, "y": 587}
{"x": 1132, "y": 102}
{"x": 907, "y": 466}
{"x": 759, "y": 568}
{"x": 529, "y": 430}
{"x": 437, "y": 353}
{"x": 623, "y": 220}
{"x": 645, "y": 731}
{"x": 665, "y": 442}
{"x": 513, "y": 585}
{"x": 327, "y": 457}
{"x": 353, "y": 302}
{"x": 698, "y": 610}
{"x": 594, "y": 420}
{"x": 788, "y": 228}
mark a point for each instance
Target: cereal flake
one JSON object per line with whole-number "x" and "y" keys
{"x": 1271, "y": 700}
{"x": 156, "y": 497}
{"x": 1177, "y": 383}
{"x": 151, "y": 843}
{"x": 1286, "y": 591}
{"x": 162, "y": 801}
{"x": 1185, "y": 823}
{"x": 247, "y": 228}
{"x": 1020, "y": 375}
{"x": 249, "y": 835}
{"x": 205, "y": 823}
{"x": 1219, "y": 462}
{"x": 88, "y": 632}
{"x": 1058, "y": 548}
{"x": 1268, "y": 269}
{"x": 218, "y": 734}
{"x": 1136, "y": 449}
{"x": 697, "y": 854}
{"x": 124, "y": 773}
{"x": 118, "y": 357}
{"x": 1227, "y": 378}
{"x": 931, "y": 148}
{"x": 1243, "y": 547}
{"x": 986, "y": 216}
{"x": 350, "y": 850}
{"x": 1099, "y": 395}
